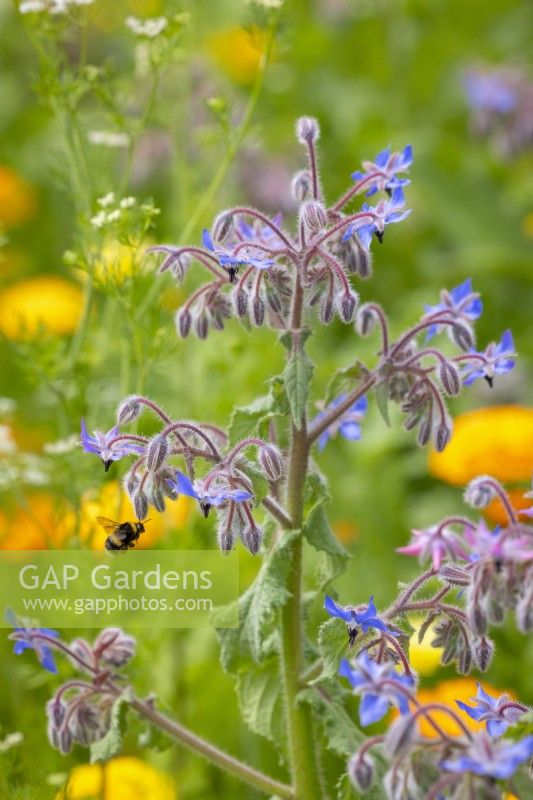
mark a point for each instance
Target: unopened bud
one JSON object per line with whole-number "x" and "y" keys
{"x": 326, "y": 309}
{"x": 183, "y": 322}
{"x": 140, "y": 504}
{"x": 301, "y": 186}
{"x": 258, "y": 310}
{"x": 307, "y": 130}
{"x": 313, "y": 216}
{"x": 524, "y": 611}
{"x": 251, "y": 538}
{"x": 454, "y": 575}
{"x": 201, "y": 326}
{"x": 225, "y": 539}
{"x": 442, "y": 436}
{"x": 483, "y": 652}
{"x": 363, "y": 260}
{"x": 347, "y": 303}
{"x": 366, "y": 320}
{"x": 479, "y": 492}
{"x": 399, "y": 736}
{"x": 361, "y": 771}
{"x": 449, "y": 378}
{"x": 463, "y": 336}
{"x": 424, "y": 432}
{"x": 157, "y": 498}
{"x": 128, "y": 410}
{"x": 478, "y": 618}
{"x": 131, "y": 484}
{"x": 114, "y": 647}
{"x": 156, "y": 452}
{"x": 273, "y": 300}
{"x": 222, "y": 226}
{"x": 271, "y": 460}
{"x": 464, "y": 659}
{"x": 240, "y": 302}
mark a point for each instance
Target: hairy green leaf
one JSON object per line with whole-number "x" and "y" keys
{"x": 297, "y": 376}
{"x": 332, "y": 646}
{"x": 260, "y": 694}
{"x": 111, "y": 743}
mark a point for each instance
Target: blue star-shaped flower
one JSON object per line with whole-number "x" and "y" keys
{"x": 367, "y": 678}
{"x": 214, "y": 496}
{"x": 232, "y": 263}
{"x": 495, "y": 759}
{"x": 497, "y": 712}
{"x": 461, "y": 303}
{"x": 387, "y": 165}
{"x": 24, "y": 639}
{"x": 497, "y": 359}
{"x": 363, "y": 620}
{"x": 385, "y": 213}
{"x": 348, "y": 425}
{"x": 101, "y": 444}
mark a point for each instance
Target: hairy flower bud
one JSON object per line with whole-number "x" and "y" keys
{"x": 183, "y": 322}
{"x": 156, "y": 452}
{"x": 424, "y": 431}
{"x": 313, "y": 215}
{"x": 258, "y": 310}
{"x": 483, "y": 652}
{"x": 477, "y": 618}
{"x": 201, "y": 326}
{"x": 326, "y": 309}
{"x": 463, "y": 336}
{"x": 131, "y": 484}
{"x": 524, "y": 610}
{"x": 464, "y": 659}
{"x": 157, "y": 497}
{"x": 301, "y": 186}
{"x": 85, "y": 723}
{"x": 479, "y": 492}
{"x": 271, "y": 460}
{"x": 399, "y": 736}
{"x": 361, "y": 771}
{"x": 140, "y": 504}
{"x": 346, "y": 304}
{"x": 222, "y": 226}
{"x": 251, "y": 538}
{"x": 240, "y": 301}
{"x": 273, "y": 300}
{"x": 442, "y": 436}
{"x": 114, "y": 647}
{"x": 363, "y": 260}
{"x": 450, "y": 378}
{"x": 307, "y": 130}
{"x": 128, "y": 410}
{"x": 366, "y": 320}
{"x": 454, "y": 575}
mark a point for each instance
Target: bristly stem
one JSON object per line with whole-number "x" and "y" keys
{"x": 302, "y": 754}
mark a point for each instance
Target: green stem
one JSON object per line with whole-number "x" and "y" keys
{"x": 264, "y": 783}
{"x": 304, "y": 767}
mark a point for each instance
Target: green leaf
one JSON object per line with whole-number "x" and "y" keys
{"x": 260, "y": 694}
{"x": 258, "y": 607}
{"x": 343, "y": 379}
{"x": 260, "y": 484}
{"x": 287, "y": 338}
{"x": 381, "y": 393}
{"x": 297, "y": 376}
{"x": 332, "y": 646}
{"x": 318, "y": 533}
{"x": 245, "y": 419}
{"x": 111, "y": 743}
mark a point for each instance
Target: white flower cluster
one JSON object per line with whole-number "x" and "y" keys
{"x": 147, "y": 28}
{"x": 50, "y": 6}
{"x": 109, "y": 138}
{"x": 111, "y": 210}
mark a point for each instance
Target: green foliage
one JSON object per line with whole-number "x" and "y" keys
{"x": 111, "y": 744}
{"x": 260, "y": 692}
{"x": 297, "y": 376}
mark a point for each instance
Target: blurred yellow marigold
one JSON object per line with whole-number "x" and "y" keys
{"x": 113, "y": 502}
{"x": 495, "y": 511}
{"x": 46, "y": 521}
{"x": 18, "y": 200}
{"x": 238, "y": 52}
{"x": 424, "y": 658}
{"x": 497, "y": 440}
{"x": 124, "y": 778}
{"x": 446, "y": 693}
{"x": 48, "y": 302}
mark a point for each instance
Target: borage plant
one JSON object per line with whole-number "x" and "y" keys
{"x": 260, "y": 480}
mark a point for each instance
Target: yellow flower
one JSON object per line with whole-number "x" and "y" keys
{"x": 238, "y": 52}
{"x": 47, "y": 302}
{"x": 446, "y": 693}
{"x": 46, "y": 521}
{"x": 345, "y": 530}
{"x": 424, "y": 658}
{"x": 18, "y": 200}
{"x": 495, "y": 511}
{"x": 124, "y": 778}
{"x": 117, "y": 262}
{"x": 113, "y": 502}
{"x": 497, "y": 441}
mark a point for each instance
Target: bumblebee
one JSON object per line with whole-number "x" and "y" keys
{"x": 122, "y": 535}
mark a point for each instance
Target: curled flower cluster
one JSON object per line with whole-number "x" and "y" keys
{"x": 154, "y": 479}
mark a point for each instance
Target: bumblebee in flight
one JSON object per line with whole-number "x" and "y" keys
{"x": 122, "y": 535}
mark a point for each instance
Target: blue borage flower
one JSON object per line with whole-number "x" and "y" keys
{"x": 348, "y": 425}
{"x": 214, "y": 496}
{"x": 385, "y": 213}
{"x": 368, "y": 679}
{"x": 232, "y": 263}
{"x": 497, "y": 712}
{"x": 24, "y": 639}
{"x": 497, "y": 359}
{"x": 461, "y": 303}
{"x": 490, "y": 91}
{"x": 101, "y": 444}
{"x": 363, "y": 619}
{"x": 494, "y": 758}
{"x": 262, "y": 234}
{"x": 382, "y": 172}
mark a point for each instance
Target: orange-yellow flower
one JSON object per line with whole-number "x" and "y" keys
{"x": 45, "y": 521}
{"x": 497, "y": 441}
{"x": 495, "y": 511}
{"x": 113, "y": 502}
{"x": 47, "y": 303}
{"x": 238, "y": 52}
{"x": 18, "y": 200}
{"x": 117, "y": 262}
{"x": 124, "y": 778}
{"x": 345, "y": 530}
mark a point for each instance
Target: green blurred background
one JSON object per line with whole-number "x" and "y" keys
{"x": 374, "y": 73}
